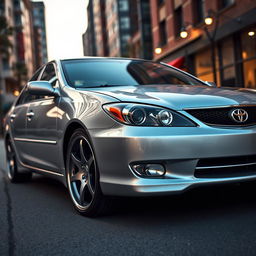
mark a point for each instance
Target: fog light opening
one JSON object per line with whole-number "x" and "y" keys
{"x": 149, "y": 170}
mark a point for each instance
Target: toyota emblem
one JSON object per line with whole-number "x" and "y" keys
{"x": 239, "y": 115}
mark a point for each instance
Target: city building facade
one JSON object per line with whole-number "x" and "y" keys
{"x": 18, "y": 62}
{"x": 40, "y": 42}
{"x": 109, "y": 28}
{"x": 141, "y": 35}
{"x": 100, "y": 30}
{"x": 8, "y": 60}
{"x": 24, "y": 39}
{"x": 118, "y": 27}
{"x": 233, "y": 46}
{"x": 89, "y": 43}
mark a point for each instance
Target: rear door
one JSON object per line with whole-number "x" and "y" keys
{"x": 42, "y": 126}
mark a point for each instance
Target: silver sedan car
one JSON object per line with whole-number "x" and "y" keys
{"x": 127, "y": 127}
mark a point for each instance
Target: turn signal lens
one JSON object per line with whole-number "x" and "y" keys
{"x": 146, "y": 115}
{"x": 116, "y": 112}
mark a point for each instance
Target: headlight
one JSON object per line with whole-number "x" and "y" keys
{"x": 146, "y": 115}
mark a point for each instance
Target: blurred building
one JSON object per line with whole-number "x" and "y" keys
{"x": 235, "y": 40}
{"x": 89, "y": 43}
{"x": 19, "y": 64}
{"x": 7, "y": 63}
{"x": 109, "y": 28}
{"x": 141, "y": 32}
{"x": 118, "y": 27}
{"x": 40, "y": 43}
{"x": 100, "y": 30}
{"x": 24, "y": 38}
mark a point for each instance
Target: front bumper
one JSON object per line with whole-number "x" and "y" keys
{"x": 179, "y": 149}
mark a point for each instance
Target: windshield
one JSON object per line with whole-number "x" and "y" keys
{"x": 108, "y": 72}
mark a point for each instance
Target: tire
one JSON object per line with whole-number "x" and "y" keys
{"x": 13, "y": 172}
{"x": 82, "y": 177}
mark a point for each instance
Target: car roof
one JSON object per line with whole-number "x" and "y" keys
{"x": 99, "y": 58}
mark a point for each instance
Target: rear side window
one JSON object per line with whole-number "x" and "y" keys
{"x": 36, "y": 75}
{"x": 48, "y": 73}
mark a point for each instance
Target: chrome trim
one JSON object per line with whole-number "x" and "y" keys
{"x": 54, "y": 142}
{"x": 226, "y": 125}
{"x": 220, "y": 125}
{"x": 41, "y": 170}
{"x": 223, "y": 166}
{"x": 227, "y": 106}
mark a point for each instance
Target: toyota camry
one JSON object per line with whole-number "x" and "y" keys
{"x": 128, "y": 127}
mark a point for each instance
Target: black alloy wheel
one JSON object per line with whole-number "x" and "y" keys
{"x": 83, "y": 177}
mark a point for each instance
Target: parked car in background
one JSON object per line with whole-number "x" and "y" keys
{"x": 128, "y": 127}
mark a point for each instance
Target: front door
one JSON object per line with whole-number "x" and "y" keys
{"x": 42, "y": 131}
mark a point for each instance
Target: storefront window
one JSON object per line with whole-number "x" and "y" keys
{"x": 203, "y": 66}
{"x": 228, "y": 59}
{"x": 249, "y": 57}
{"x": 248, "y": 44}
{"x": 250, "y": 73}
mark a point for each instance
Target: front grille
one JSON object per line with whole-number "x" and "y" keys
{"x": 226, "y": 167}
{"x": 222, "y": 116}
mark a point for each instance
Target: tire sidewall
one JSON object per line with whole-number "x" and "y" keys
{"x": 92, "y": 207}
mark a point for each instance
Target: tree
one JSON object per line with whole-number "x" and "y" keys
{"x": 5, "y": 46}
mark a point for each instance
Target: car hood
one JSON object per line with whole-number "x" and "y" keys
{"x": 180, "y": 97}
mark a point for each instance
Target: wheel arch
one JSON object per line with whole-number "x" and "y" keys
{"x": 71, "y": 127}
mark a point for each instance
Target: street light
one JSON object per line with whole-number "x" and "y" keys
{"x": 183, "y": 33}
{"x": 251, "y": 33}
{"x": 158, "y": 50}
{"x": 208, "y": 20}
{"x": 16, "y": 93}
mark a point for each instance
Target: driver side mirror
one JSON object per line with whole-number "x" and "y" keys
{"x": 42, "y": 88}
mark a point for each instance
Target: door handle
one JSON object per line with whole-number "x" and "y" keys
{"x": 12, "y": 116}
{"x": 30, "y": 114}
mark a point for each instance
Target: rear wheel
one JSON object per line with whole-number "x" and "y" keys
{"x": 13, "y": 172}
{"x": 83, "y": 177}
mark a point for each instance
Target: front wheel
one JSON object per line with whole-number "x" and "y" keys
{"x": 83, "y": 177}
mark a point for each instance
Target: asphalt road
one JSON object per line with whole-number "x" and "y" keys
{"x": 37, "y": 218}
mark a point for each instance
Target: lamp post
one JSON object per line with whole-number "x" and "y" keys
{"x": 211, "y": 18}
{"x": 211, "y": 37}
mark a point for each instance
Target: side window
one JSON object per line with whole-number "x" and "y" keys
{"x": 48, "y": 73}
{"x": 36, "y": 75}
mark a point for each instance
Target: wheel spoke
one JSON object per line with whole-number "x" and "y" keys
{"x": 89, "y": 185}
{"x": 76, "y": 161}
{"x": 82, "y": 191}
{"x": 83, "y": 158}
{"x": 89, "y": 162}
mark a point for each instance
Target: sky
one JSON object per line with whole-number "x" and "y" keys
{"x": 66, "y": 21}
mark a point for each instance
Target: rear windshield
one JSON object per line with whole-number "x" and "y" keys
{"x": 97, "y": 73}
